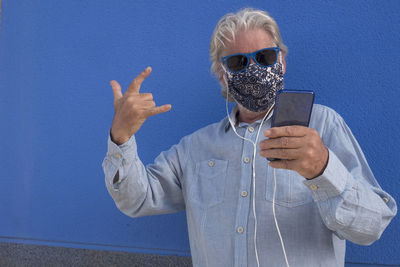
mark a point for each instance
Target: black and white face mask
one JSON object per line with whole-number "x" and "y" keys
{"x": 255, "y": 88}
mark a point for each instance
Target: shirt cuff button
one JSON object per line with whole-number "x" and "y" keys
{"x": 313, "y": 187}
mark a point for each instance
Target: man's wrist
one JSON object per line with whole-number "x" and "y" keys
{"x": 118, "y": 141}
{"x": 325, "y": 165}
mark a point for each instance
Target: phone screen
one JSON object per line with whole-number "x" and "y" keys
{"x": 292, "y": 107}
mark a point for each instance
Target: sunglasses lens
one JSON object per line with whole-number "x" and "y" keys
{"x": 266, "y": 57}
{"x": 236, "y": 63}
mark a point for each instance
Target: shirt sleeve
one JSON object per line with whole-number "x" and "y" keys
{"x": 144, "y": 190}
{"x": 349, "y": 199}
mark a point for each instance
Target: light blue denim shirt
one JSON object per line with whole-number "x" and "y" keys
{"x": 209, "y": 175}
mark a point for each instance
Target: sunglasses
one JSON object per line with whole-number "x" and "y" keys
{"x": 239, "y": 62}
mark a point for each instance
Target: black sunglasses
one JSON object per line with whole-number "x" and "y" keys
{"x": 239, "y": 62}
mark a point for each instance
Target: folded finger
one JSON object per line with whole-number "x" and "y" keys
{"x": 293, "y": 130}
{"x": 146, "y": 96}
{"x": 283, "y": 164}
{"x": 282, "y": 142}
{"x": 277, "y": 153}
{"x": 148, "y": 104}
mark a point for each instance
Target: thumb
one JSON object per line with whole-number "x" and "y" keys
{"x": 159, "y": 110}
{"x": 116, "y": 90}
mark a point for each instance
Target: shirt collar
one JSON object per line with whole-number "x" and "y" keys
{"x": 234, "y": 116}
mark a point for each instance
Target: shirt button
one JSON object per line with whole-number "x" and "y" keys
{"x": 240, "y": 229}
{"x": 118, "y": 155}
{"x": 246, "y": 160}
{"x": 385, "y": 199}
{"x": 251, "y": 129}
{"x": 313, "y": 187}
{"x": 244, "y": 193}
{"x": 211, "y": 163}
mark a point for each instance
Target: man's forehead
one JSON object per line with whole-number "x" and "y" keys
{"x": 250, "y": 40}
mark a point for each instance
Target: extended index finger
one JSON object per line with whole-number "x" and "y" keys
{"x": 134, "y": 87}
{"x": 294, "y": 130}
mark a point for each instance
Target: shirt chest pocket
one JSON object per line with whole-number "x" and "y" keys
{"x": 208, "y": 187}
{"x": 290, "y": 190}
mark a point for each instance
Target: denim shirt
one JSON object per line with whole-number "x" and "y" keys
{"x": 209, "y": 174}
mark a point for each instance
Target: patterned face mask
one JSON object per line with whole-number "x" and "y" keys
{"x": 255, "y": 88}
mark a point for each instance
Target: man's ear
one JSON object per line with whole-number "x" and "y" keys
{"x": 283, "y": 62}
{"x": 221, "y": 74}
{"x": 221, "y": 78}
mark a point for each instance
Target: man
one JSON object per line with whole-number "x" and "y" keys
{"x": 325, "y": 192}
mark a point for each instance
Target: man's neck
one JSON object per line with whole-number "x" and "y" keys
{"x": 247, "y": 116}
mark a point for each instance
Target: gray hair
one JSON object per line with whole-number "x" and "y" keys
{"x": 230, "y": 24}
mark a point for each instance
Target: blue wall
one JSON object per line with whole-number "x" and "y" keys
{"x": 56, "y": 106}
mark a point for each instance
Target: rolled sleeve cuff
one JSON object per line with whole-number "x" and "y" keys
{"x": 120, "y": 157}
{"x": 332, "y": 182}
{"x": 127, "y": 151}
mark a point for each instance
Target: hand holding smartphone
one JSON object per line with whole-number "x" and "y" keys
{"x": 292, "y": 107}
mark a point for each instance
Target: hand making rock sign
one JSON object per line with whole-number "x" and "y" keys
{"x": 132, "y": 108}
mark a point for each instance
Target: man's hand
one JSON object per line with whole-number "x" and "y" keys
{"x": 299, "y": 148}
{"x": 132, "y": 108}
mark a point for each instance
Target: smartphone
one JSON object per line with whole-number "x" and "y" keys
{"x": 292, "y": 107}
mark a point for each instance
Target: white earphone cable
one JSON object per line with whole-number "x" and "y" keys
{"x": 254, "y": 179}
{"x": 253, "y": 170}
{"x": 276, "y": 221}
